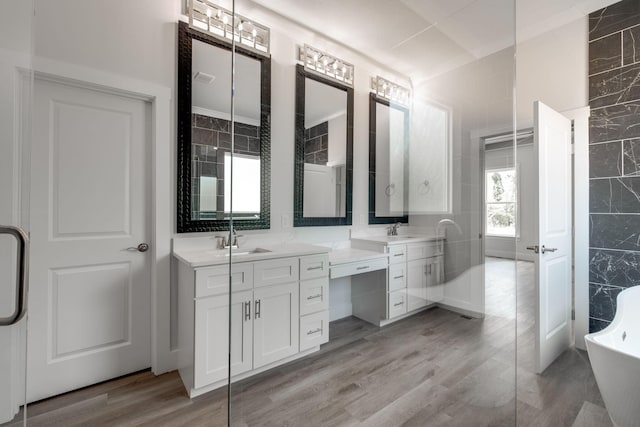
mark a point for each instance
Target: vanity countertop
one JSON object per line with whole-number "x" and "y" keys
{"x": 411, "y": 238}
{"x": 348, "y": 255}
{"x": 209, "y": 257}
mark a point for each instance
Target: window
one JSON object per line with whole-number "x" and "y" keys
{"x": 246, "y": 185}
{"x": 500, "y": 207}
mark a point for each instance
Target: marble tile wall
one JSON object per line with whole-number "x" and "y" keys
{"x": 316, "y": 144}
{"x": 614, "y": 157}
{"x": 210, "y": 138}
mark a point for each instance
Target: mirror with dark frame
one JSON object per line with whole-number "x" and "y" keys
{"x": 388, "y": 162}
{"x": 205, "y": 135}
{"x": 324, "y": 151}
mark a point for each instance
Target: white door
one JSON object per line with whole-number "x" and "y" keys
{"x": 89, "y": 295}
{"x": 276, "y": 323}
{"x": 212, "y": 337}
{"x": 552, "y": 146}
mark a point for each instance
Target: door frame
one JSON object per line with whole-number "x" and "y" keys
{"x": 580, "y": 119}
{"x": 163, "y": 359}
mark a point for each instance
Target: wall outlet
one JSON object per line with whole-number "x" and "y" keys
{"x": 285, "y": 221}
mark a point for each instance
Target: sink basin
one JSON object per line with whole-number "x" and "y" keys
{"x": 238, "y": 252}
{"x": 243, "y": 251}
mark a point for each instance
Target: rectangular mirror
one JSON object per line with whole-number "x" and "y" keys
{"x": 324, "y": 151}
{"x": 388, "y": 162}
{"x": 205, "y": 154}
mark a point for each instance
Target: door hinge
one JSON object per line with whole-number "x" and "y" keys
{"x": 573, "y": 315}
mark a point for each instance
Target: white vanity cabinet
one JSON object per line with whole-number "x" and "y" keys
{"x": 414, "y": 275}
{"x": 314, "y": 301}
{"x": 424, "y": 275}
{"x": 279, "y": 312}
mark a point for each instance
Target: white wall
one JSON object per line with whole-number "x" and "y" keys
{"x": 552, "y": 68}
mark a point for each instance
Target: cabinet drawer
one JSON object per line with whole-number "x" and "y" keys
{"x": 397, "y": 303}
{"x": 314, "y": 266}
{"x": 314, "y": 295}
{"x": 397, "y": 277}
{"x": 349, "y": 269}
{"x": 397, "y": 254}
{"x": 215, "y": 280}
{"x": 421, "y": 250}
{"x": 314, "y": 330}
{"x": 273, "y": 272}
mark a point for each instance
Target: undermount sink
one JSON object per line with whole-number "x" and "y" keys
{"x": 238, "y": 251}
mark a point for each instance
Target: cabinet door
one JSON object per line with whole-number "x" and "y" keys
{"x": 212, "y": 337}
{"x": 275, "y": 323}
{"x": 435, "y": 279}
{"x": 417, "y": 284}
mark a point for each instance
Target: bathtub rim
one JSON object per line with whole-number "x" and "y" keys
{"x": 591, "y": 338}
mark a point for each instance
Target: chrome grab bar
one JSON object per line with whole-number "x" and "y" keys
{"x": 22, "y": 274}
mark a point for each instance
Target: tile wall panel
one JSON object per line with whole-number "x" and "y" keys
{"x": 614, "y": 157}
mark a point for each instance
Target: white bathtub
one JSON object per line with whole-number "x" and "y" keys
{"x": 615, "y": 359}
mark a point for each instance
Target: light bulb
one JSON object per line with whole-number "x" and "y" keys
{"x": 344, "y": 69}
{"x": 240, "y": 26}
{"x": 225, "y": 19}
{"x": 335, "y": 65}
{"x": 325, "y": 61}
{"x": 254, "y": 32}
{"x": 208, "y": 13}
{"x": 315, "y": 57}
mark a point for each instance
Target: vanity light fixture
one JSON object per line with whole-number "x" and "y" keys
{"x": 319, "y": 62}
{"x": 391, "y": 91}
{"x": 217, "y": 21}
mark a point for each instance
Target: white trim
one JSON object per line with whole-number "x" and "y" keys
{"x": 580, "y": 117}
{"x": 162, "y": 358}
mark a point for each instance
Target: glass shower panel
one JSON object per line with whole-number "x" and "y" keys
{"x": 422, "y": 323}
{"x": 15, "y": 90}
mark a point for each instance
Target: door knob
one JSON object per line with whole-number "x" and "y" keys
{"x": 534, "y": 248}
{"x": 142, "y": 247}
{"x": 543, "y": 249}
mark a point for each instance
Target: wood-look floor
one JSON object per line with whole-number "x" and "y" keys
{"x": 435, "y": 368}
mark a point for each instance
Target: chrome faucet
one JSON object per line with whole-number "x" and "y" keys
{"x": 231, "y": 243}
{"x": 393, "y": 229}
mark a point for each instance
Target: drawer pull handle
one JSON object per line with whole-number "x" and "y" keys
{"x": 314, "y": 297}
{"x": 364, "y": 267}
{"x": 257, "y": 309}
{"x": 314, "y": 268}
{"x": 247, "y": 310}
{"x": 399, "y": 254}
{"x": 315, "y": 331}
{"x": 397, "y": 277}
{"x": 398, "y": 303}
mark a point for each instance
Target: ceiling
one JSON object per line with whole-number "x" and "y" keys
{"x": 213, "y": 98}
{"x": 425, "y": 38}
{"x": 322, "y": 103}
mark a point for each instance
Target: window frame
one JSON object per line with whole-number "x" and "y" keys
{"x": 516, "y": 202}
